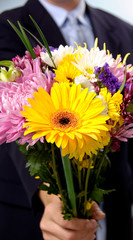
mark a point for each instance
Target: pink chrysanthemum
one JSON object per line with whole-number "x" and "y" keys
{"x": 14, "y": 95}
{"x": 118, "y": 70}
{"x": 33, "y": 77}
{"x": 125, "y": 132}
{"x": 115, "y": 145}
{"x": 121, "y": 135}
{"x": 19, "y": 62}
{"x": 128, "y": 99}
{"x": 129, "y": 78}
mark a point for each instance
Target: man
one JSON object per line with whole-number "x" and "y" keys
{"x": 18, "y": 189}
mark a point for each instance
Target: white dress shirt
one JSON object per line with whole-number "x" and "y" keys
{"x": 70, "y": 31}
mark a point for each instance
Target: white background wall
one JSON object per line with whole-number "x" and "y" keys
{"x": 8, "y": 4}
{"x": 120, "y": 8}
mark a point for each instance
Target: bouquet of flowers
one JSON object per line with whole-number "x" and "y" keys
{"x": 66, "y": 108}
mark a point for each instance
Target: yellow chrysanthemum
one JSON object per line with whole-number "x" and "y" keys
{"x": 69, "y": 117}
{"x": 113, "y": 103}
{"x": 66, "y": 71}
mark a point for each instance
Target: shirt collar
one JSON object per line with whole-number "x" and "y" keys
{"x": 79, "y": 12}
{"x": 61, "y": 13}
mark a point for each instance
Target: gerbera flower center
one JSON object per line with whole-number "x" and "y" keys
{"x": 70, "y": 79}
{"x": 64, "y": 120}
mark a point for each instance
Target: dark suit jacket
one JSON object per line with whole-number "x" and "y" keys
{"x": 17, "y": 188}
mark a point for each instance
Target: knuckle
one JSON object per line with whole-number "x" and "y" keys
{"x": 93, "y": 237}
{"x": 71, "y": 236}
{"x": 63, "y": 222}
{"x": 42, "y": 225}
{"x": 93, "y": 224}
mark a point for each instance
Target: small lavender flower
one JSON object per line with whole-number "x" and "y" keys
{"x": 51, "y": 49}
{"x": 106, "y": 78}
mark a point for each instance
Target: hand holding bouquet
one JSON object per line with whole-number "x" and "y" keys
{"x": 67, "y": 108}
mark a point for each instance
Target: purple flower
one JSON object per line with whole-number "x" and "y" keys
{"x": 51, "y": 49}
{"x": 106, "y": 78}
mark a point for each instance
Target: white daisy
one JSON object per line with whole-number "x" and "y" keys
{"x": 57, "y": 55}
{"x": 90, "y": 59}
{"x": 84, "y": 82}
{"x": 105, "y": 111}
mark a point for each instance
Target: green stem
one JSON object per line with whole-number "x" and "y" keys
{"x": 69, "y": 182}
{"x": 86, "y": 186}
{"x": 79, "y": 176}
{"x": 124, "y": 81}
{"x": 56, "y": 174}
{"x": 84, "y": 174}
{"x": 102, "y": 161}
{"x": 80, "y": 186}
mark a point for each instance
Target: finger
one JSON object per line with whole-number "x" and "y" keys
{"x": 49, "y": 236}
{"x": 88, "y": 233}
{"x": 74, "y": 224}
{"x": 93, "y": 237}
{"x": 56, "y": 231}
{"x": 57, "y": 218}
{"x": 77, "y": 224}
{"x": 50, "y": 228}
{"x": 97, "y": 213}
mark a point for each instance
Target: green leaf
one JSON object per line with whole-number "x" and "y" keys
{"x": 129, "y": 108}
{"x": 22, "y": 148}
{"x": 81, "y": 194}
{"x": 69, "y": 182}
{"x": 43, "y": 39}
{"x": 51, "y": 189}
{"x": 124, "y": 81}
{"x": 38, "y": 161}
{"x": 6, "y": 63}
{"x": 18, "y": 33}
{"x": 67, "y": 216}
{"x": 41, "y": 35}
{"x": 23, "y": 38}
{"x": 34, "y": 37}
{"x": 98, "y": 193}
{"x": 28, "y": 44}
{"x": 34, "y": 165}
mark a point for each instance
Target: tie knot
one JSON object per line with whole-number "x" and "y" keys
{"x": 73, "y": 20}
{"x": 73, "y": 30}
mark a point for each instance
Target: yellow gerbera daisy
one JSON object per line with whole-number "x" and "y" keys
{"x": 113, "y": 103}
{"x": 69, "y": 117}
{"x": 66, "y": 71}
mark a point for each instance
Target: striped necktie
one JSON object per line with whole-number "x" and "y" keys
{"x": 75, "y": 31}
